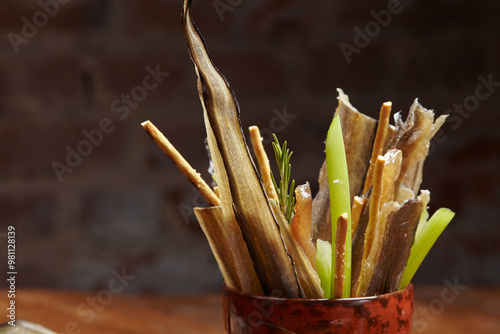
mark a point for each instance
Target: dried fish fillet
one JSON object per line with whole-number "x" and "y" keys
{"x": 358, "y": 132}
{"x": 398, "y": 238}
{"x": 229, "y": 249}
{"x": 310, "y": 285}
{"x": 372, "y": 234}
{"x": 412, "y": 137}
{"x": 301, "y": 221}
{"x": 320, "y": 217}
{"x": 382, "y": 204}
{"x": 243, "y": 192}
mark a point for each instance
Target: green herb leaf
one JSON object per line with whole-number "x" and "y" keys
{"x": 285, "y": 191}
{"x": 424, "y": 217}
{"x": 323, "y": 264}
{"x": 424, "y": 240}
{"x": 338, "y": 181}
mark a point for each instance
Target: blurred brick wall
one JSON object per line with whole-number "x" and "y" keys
{"x": 124, "y": 206}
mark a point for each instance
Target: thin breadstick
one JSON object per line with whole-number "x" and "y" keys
{"x": 376, "y": 196}
{"x": 263, "y": 161}
{"x": 181, "y": 163}
{"x": 378, "y": 144}
{"x": 358, "y": 205}
{"x": 340, "y": 240}
{"x": 374, "y": 212}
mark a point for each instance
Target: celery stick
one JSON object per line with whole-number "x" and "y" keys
{"x": 338, "y": 181}
{"x": 424, "y": 217}
{"x": 323, "y": 264}
{"x": 424, "y": 240}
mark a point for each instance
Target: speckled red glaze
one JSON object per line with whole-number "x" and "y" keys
{"x": 389, "y": 313}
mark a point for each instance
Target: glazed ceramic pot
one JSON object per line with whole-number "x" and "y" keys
{"x": 389, "y": 313}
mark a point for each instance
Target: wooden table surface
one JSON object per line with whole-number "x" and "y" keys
{"x": 444, "y": 309}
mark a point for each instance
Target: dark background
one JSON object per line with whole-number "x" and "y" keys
{"x": 125, "y": 206}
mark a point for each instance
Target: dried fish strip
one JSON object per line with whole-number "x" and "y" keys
{"x": 412, "y": 137}
{"x": 229, "y": 249}
{"x": 229, "y": 151}
{"x": 387, "y": 170}
{"x": 358, "y": 131}
{"x": 301, "y": 221}
{"x": 310, "y": 285}
{"x": 397, "y": 240}
{"x": 358, "y": 243}
{"x": 320, "y": 217}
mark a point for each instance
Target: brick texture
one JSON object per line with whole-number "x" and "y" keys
{"x": 125, "y": 205}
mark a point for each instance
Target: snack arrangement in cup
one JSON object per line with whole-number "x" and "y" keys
{"x": 363, "y": 234}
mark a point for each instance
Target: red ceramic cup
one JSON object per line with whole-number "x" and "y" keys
{"x": 389, "y": 313}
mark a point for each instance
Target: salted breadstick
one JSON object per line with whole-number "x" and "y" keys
{"x": 340, "y": 239}
{"x": 263, "y": 161}
{"x": 181, "y": 163}
{"x": 376, "y": 196}
{"x": 378, "y": 144}
{"x": 371, "y": 229}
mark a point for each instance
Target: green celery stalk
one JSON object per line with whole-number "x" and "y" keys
{"x": 424, "y": 217}
{"x": 424, "y": 240}
{"x": 338, "y": 181}
{"x": 323, "y": 264}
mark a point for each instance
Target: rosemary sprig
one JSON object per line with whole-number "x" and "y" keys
{"x": 285, "y": 191}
